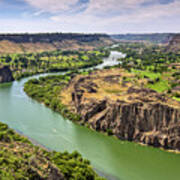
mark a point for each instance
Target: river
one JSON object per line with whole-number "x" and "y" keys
{"x": 120, "y": 160}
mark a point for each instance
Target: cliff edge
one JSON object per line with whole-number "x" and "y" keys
{"x": 115, "y": 101}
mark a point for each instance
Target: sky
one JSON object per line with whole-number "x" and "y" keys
{"x": 90, "y": 16}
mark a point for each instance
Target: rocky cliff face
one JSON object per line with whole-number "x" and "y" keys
{"x": 107, "y": 102}
{"x": 5, "y": 74}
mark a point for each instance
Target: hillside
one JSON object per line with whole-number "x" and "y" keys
{"x": 154, "y": 37}
{"x": 22, "y": 65}
{"x": 21, "y": 160}
{"x": 25, "y": 43}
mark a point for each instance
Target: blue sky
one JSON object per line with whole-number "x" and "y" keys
{"x": 107, "y": 16}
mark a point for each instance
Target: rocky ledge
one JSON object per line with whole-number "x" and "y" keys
{"x": 5, "y": 74}
{"x": 115, "y": 101}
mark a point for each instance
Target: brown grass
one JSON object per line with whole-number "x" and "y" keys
{"x": 111, "y": 84}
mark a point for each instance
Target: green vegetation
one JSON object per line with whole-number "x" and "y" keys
{"x": 33, "y": 63}
{"x": 21, "y": 160}
{"x": 47, "y": 90}
{"x": 154, "y": 64}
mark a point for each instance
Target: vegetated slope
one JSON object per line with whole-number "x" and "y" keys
{"x": 117, "y": 102}
{"x": 174, "y": 44}
{"x": 51, "y": 61}
{"x": 21, "y": 160}
{"x": 25, "y": 43}
{"x": 154, "y": 37}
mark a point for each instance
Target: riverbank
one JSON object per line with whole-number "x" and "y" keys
{"x": 20, "y": 159}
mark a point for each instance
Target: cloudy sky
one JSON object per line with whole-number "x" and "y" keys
{"x": 109, "y": 16}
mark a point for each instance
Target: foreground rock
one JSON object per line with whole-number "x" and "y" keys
{"x": 116, "y": 102}
{"x": 5, "y": 74}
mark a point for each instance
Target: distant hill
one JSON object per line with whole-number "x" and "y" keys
{"x": 51, "y": 37}
{"x": 21, "y": 43}
{"x": 154, "y": 37}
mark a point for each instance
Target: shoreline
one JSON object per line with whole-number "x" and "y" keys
{"x": 36, "y": 143}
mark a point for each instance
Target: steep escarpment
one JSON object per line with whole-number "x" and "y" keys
{"x": 115, "y": 101}
{"x": 51, "y": 37}
{"x": 25, "y": 43}
{"x": 5, "y": 74}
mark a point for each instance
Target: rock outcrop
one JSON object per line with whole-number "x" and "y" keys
{"x": 5, "y": 74}
{"x": 108, "y": 102}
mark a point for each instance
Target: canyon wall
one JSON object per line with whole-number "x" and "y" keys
{"x": 25, "y": 43}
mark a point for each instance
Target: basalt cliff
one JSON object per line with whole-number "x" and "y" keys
{"x": 114, "y": 101}
{"x": 5, "y": 74}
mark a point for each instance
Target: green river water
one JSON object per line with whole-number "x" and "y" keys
{"x": 118, "y": 159}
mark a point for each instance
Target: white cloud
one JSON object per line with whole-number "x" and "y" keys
{"x": 52, "y": 5}
{"x": 135, "y": 15}
{"x": 104, "y": 9}
{"x": 112, "y": 5}
{"x": 100, "y": 16}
